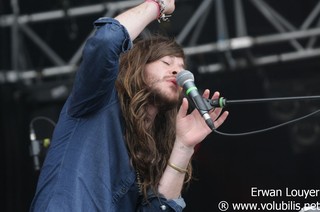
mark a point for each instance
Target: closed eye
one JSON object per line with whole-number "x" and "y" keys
{"x": 165, "y": 62}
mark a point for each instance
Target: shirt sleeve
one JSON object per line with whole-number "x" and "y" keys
{"x": 98, "y": 70}
{"x": 159, "y": 204}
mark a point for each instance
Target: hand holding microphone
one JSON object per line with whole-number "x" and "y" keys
{"x": 185, "y": 79}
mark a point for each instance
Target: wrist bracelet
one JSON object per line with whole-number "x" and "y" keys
{"x": 161, "y": 8}
{"x": 181, "y": 170}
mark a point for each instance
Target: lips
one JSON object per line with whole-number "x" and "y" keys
{"x": 174, "y": 81}
{"x": 171, "y": 79}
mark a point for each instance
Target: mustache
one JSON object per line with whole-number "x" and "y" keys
{"x": 164, "y": 79}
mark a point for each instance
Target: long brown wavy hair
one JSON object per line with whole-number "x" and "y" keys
{"x": 149, "y": 145}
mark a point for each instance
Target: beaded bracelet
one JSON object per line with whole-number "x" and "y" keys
{"x": 175, "y": 167}
{"x": 161, "y": 8}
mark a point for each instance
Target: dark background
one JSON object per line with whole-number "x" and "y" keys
{"x": 225, "y": 167}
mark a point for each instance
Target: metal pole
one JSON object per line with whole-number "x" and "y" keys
{"x": 15, "y": 36}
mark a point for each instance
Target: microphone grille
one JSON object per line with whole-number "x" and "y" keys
{"x": 184, "y": 76}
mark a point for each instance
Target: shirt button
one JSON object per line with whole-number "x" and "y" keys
{"x": 163, "y": 207}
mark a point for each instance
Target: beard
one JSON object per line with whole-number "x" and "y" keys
{"x": 162, "y": 101}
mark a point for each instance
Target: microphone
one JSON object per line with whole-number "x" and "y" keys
{"x": 34, "y": 149}
{"x": 185, "y": 79}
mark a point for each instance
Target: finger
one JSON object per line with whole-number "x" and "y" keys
{"x": 215, "y": 113}
{"x": 215, "y": 95}
{"x": 183, "y": 108}
{"x": 221, "y": 119}
{"x": 206, "y": 93}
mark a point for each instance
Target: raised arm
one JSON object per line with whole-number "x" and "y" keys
{"x": 137, "y": 18}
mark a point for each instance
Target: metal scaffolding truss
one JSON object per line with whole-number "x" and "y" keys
{"x": 284, "y": 32}
{"x": 301, "y": 40}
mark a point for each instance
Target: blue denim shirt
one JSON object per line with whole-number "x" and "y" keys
{"x": 87, "y": 167}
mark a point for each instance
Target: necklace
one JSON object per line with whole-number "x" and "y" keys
{"x": 139, "y": 182}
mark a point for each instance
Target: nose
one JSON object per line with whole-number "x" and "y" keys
{"x": 176, "y": 71}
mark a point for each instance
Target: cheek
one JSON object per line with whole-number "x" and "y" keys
{"x": 152, "y": 79}
{"x": 149, "y": 80}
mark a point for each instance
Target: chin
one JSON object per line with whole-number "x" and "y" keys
{"x": 164, "y": 103}
{"x": 165, "y": 100}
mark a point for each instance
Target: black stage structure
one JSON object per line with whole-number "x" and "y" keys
{"x": 246, "y": 49}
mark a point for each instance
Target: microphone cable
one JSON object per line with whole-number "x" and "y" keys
{"x": 268, "y": 128}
